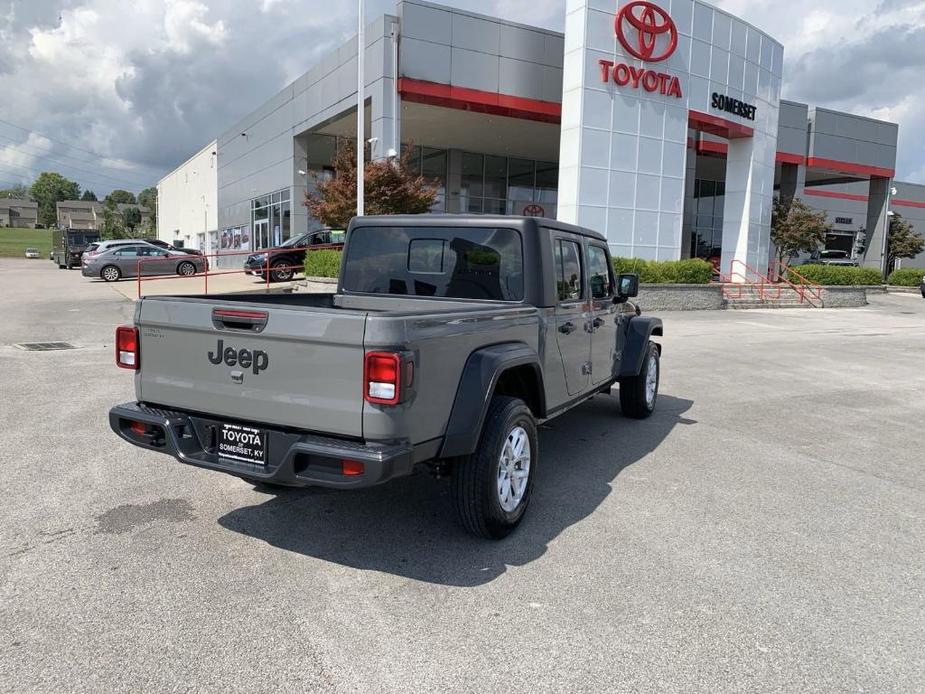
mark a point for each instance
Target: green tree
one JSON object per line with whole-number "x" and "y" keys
{"x": 391, "y": 187}
{"x": 131, "y": 220}
{"x": 113, "y": 226}
{"x": 89, "y": 196}
{"x": 797, "y": 228}
{"x": 904, "y": 241}
{"x": 48, "y": 190}
{"x": 19, "y": 191}
{"x": 148, "y": 199}
{"x": 122, "y": 197}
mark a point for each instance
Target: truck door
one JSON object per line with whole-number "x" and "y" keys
{"x": 606, "y": 350}
{"x": 572, "y": 318}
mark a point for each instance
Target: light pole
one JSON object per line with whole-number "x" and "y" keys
{"x": 361, "y": 108}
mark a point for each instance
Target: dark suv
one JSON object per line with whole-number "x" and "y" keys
{"x": 287, "y": 259}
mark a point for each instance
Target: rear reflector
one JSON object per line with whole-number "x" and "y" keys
{"x": 127, "y": 347}
{"x": 139, "y": 428}
{"x": 352, "y": 468}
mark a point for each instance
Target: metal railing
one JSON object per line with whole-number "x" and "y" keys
{"x": 808, "y": 291}
{"x": 266, "y": 270}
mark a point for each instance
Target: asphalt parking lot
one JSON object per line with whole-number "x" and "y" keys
{"x": 765, "y": 531}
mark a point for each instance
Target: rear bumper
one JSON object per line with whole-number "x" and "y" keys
{"x": 293, "y": 458}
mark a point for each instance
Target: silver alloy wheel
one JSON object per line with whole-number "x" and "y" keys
{"x": 282, "y": 275}
{"x": 110, "y": 273}
{"x": 651, "y": 381}
{"x": 186, "y": 269}
{"x": 514, "y": 469}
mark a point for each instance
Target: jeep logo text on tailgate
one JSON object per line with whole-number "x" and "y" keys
{"x": 245, "y": 358}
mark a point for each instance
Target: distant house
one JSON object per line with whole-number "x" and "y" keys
{"x": 22, "y": 214}
{"x": 79, "y": 214}
{"x": 84, "y": 214}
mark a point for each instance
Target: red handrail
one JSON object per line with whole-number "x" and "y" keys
{"x": 814, "y": 289}
{"x": 761, "y": 281}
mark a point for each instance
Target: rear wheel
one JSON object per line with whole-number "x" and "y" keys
{"x": 186, "y": 269}
{"x": 280, "y": 271}
{"x": 638, "y": 394}
{"x": 492, "y": 487}
{"x": 111, "y": 273}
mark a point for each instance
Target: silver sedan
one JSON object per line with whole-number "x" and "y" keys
{"x": 127, "y": 261}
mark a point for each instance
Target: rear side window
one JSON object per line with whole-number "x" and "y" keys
{"x": 568, "y": 270}
{"x": 447, "y": 262}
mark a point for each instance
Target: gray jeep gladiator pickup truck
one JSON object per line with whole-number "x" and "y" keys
{"x": 448, "y": 340}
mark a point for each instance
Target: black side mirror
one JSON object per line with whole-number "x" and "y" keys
{"x": 627, "y": 287}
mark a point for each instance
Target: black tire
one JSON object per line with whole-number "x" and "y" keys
{"x": 281, "y": 271}
{"x": 635, "y": 400}
{"x": 186, "y": 269}
{"x": 475, "y": 477}
{"x": 108, "y": 276}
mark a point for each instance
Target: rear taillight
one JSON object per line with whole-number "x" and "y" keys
{"x": 382, "y": 378}
{"x": 127, "y": 353}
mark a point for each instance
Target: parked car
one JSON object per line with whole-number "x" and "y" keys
{"x": 70, "y": 244}
{"x": 448, "y": 340}
{"x": 922, "y": 287}
{"x": 832, "y": 258}
{"x": 171, "y": 247}
{"x": 33, "y": 253}
{"x": 288, "y": 259}
{"x": 123, "y": 261}
{"x": 102, "y": 246}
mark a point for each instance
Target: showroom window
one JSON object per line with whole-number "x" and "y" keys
{"x": 502, "y": 185}
{"x": 271, "y": 219}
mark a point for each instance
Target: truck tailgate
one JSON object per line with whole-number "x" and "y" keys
{"x": 304, "y": 369}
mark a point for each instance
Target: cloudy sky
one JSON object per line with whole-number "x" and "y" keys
{"x": 113, "y": 93}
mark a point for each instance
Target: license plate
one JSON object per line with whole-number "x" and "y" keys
{"x": 242, "y": 443}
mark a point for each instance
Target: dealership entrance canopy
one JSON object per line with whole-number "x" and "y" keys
{"x": 658, "y": 123}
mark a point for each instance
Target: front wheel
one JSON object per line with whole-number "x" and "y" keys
{"x": 492, "y": 487}
{"x": 186, "y": 269}
{"x": 639, "y": 393}
{"x": 111, "y": 273}
{"x": 281, "y": 271}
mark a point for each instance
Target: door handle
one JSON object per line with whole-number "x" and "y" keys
{"x": 567, "y": 329}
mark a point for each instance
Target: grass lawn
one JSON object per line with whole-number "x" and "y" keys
{"x": 14, "y": 242}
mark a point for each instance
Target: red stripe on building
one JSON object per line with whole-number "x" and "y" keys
{"x": 479, "y": 101}
{"x": 834, "y": 195}
{"x": 710, "y": 147}
{"x": 848, "y": 167}
{"x": 908, "y": 203}
{"x": 718, "y": 126}
{"x": 787, "y": 158}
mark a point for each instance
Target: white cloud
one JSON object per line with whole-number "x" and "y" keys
{"x": 147, "y": 82}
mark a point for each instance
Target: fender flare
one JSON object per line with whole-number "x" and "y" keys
{"x": 638, "y": 333}
{"x": 476, "y": 387}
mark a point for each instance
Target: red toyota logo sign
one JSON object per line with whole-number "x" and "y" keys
{"x": 650, "y": 23}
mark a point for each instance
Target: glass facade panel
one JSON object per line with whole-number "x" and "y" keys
{"x": 473, "y": 172}
{"x": 271, "y": 221}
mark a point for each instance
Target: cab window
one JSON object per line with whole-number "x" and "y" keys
{"x": 601, "y": 276}
{"x": 568, "y": 270}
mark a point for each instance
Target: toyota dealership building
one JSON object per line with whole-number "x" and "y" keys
{"x": 659, "y": 124}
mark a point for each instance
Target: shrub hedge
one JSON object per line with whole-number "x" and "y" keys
{"x": 692, "y": 271}
{"x": 907, "y": 277}
{"x": 323, "y": 263}
{"x": 838, "y": 275}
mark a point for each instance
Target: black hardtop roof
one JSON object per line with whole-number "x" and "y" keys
{"x": 523, "y": 224}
